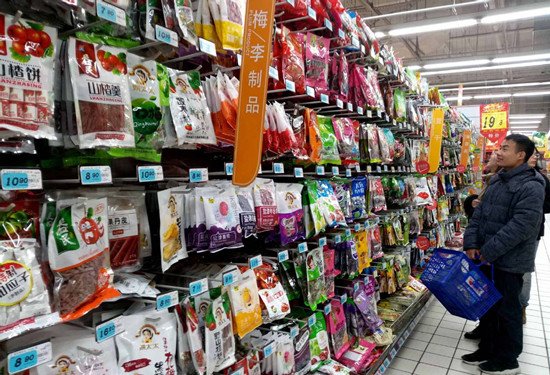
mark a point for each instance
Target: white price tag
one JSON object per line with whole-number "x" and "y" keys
{"x": 339, "y": 103}
{"x": 21, "y": 179}
{"x": 369, "y": 113}
{"x": 198, "y": 287}
{"x": 348, "y": 172}
{"x": 311, "y": 13}
{"x": 96, "y": 175}
{"x": 278, "y": 168}
{"x": 290, "y": 86}
{"x": 324, "y": 98}
{"x": 162, "y": 34}
{"x": 341, "y": 33}
{"x": 310, "y": 91}
{"x": 167, "y": 300}
{"x": 328, "y": 24}
{"x": 111, "y": 13}
{"x": 207, "y": 47}
{"x": 327, "y": 309}
{"x": 229, "y": 169}
{"x": 355, "y": 42}
{"x": 320, "y": 170}
{"x": 358, "y": 168}
{"x": 350, "y": 107}
{"x": 360, "y": 110}
{"x": 198, "y": 174}
{"x": 369, "y": 169}
{"x": 298, "y": 172}
{"x": 150, "y": 173}
{"x": 273, "y": 73}
{"x": 30, "y": 357}
{"x": 336, "y": 171}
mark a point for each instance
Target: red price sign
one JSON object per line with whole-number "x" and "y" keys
{"x": 494, "y": 122}
{"x": 423, "y": 243}
{"x": 422, "y": 167}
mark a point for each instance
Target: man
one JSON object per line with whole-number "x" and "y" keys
{"x": 503, "y": 231}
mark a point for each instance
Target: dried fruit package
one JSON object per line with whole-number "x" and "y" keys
{"x": 274, "y": 299}
{"x": 376, "y": 191}
{"x": 194, "y": 337}
{"x": 331, "y": 367}
{"x": 204, "y": 24}
{"x": 265, "y": 204}
{"x": 315, "y": 208}
{"x": 145, "y": 94}
{"x": 293, "y": 60}
{"x": 314, "y": 143}
{"x": 359, "y": 197}
{"x": 101, "y": 95}
{"x": 219, "y": 338}
{"x": 190, "y": 113}
{"x": 315, "y": 270}
{"x": 337, "y": 329}
{"x": 317, "y": 63}
{"x": 329, "y": 151}
{"x": 347, "y": 133}
{"x": 245, "y": 304}
{"x": 329, "y": 205}
{"x": 232, "y": 24}
{"x": 302, "y": 354}
{"x": 222, "y": 221}
{"x": 147, "y": 343}
{"x": 186, "y": 23}
{"x": 342, "y": 189}
{"x": 290, "y": 212}
{"x": 172, "y": 235}
{"x": 78, "y": 252}
{"x": 362, "y": 246}
{"x": 318, "y": 342}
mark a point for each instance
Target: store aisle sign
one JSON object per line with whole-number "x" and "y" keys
{"x": 258, "y": 30}
{"x": 436, "y": 138}
{"x": 494, "y": 122}
{"x": 465, "y": 151}
{"x": 479, "y": 152}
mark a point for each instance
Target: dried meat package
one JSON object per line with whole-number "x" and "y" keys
{"x": 189, "y": 109}
{"x": 78, "y": 252}
{"x": 293, "y": 60}
{"x": 172, "y": 235}
{"x": 101, "y": 95}
{"x": 147, "y": 344}
{"x": 265, "y": 204}
{"x": 290, "y": 212}
{"x": 27, "y": 77}
{"x": 317, "y": 62}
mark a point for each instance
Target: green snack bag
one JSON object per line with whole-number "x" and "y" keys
{"x": 315, "y": 267}
{"x": 318, "y": 341}
{"x": 329, "y": 151}
{"x": 400, "y": 105}
{"x": 319, "y": 221}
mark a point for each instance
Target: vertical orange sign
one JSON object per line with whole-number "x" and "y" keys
{"x": 479, "y": 153}
{"x": 465, "y": 150}
{"x": 436, "y": 138}
{"x": 256, "y": 58}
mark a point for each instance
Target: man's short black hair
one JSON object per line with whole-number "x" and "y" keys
{"x": 523, "y": 143}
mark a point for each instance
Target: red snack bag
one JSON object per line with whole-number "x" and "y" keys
{"x": 317, "y": 62}
{"x": 293, "y": 60}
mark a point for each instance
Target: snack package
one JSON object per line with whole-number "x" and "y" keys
{"x": 385, "y": 152}
{"x": 265, "y": 204}
{"x": 359, "y": 197}
{"x": 245, "y": 304}
{"x": 201, "y": 232}
{"x": 194, "y": 337}
{"x": 331, "y": 367}
{"x": 329, "y": 151}
{"x": 317, "y": 62}
{"x": 337, "y": 329}
{"x": 148, "y": 343}
{"x": 318, "y": 342}
{"x": 232, "y": 24}
{"x": 290, "y": 212}
{"x": 189, "y": 109}
{"x": 314, "y": 144}
{"x": 184, "y": 359}
{"x": 289, "y": 280}
{"x": 358, "y": 355}
{"x": 78, "y": 252}
{"x": 101, "y": 95}
{"x": 315, "y": 270}
{"x": 347, "y": 133}
{"x": 186, "y": 22}
{"x": 329, "y": 205}
{"x": 273, "y": 297}
{"x": 293, "y": 60}
{"x": 247, "y": 216}
{"x": 376, "y": 191}
{"x": 302, "y": 353}
{"x": 422, "y": 192}
{"x": 362, "y": 246}
{"x": 342, "y": 189}
{"x": 400, "y": 103}
{"x": 222, "y": 221}
{"x": 220, "y": 342}
{"x": 373, "y": 144}
{"x": 172, "y": 235}
{"x": 145, "y": 95}
{"x": 315, "y": 208}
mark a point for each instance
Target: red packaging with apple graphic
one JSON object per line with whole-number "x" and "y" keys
{"x": 27, "y": 51}
{"x": 101, "y": 95}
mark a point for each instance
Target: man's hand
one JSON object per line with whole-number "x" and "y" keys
{"x": 473, "y": 254}
{"x": 476, "y": 203}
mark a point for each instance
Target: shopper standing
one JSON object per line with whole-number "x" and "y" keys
{"x": 526, "y": 290}
{"x": 503, "y": 232}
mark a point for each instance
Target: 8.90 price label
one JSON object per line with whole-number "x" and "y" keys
{"x": 30, "y": 357}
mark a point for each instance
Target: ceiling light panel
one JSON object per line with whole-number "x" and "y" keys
{"x": 456, "y": 64}
{"x": 531, "y": 93}
{"x": 490, "y": 96}
{"x": 493, "y": 67}
{"x": 433, "y": 27}
{"x": 515, "y": 16}
{"x": 509, "y": 85}
{"x": 526, "y": 122}
{"x": 527, "y": 116}
{"x": 511, "y": 59}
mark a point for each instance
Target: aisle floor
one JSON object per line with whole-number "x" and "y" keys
{"x": 437, "y": 343}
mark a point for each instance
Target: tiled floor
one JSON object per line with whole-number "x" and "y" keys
{"x": 437, "y": 343}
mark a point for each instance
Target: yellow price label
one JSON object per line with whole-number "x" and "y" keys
{"x": 493, "y": 120}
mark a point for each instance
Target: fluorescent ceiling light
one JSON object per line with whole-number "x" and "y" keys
{"x": 514, "y": 16}
{"x": 531, "y": 93}
{"x": 489, "y": 96}
{"x": 537, "y": 56}
{"x": 493, "y": 67}
{"x": 470, "y": 83}
{"x": 414, "y": 67}
{"x": 510, "y": 85}
{"x": 525, "y": 127}
{"x": 456, "y": 64}
{"x": 527, "y": 116}
{"x": 426, "y": 10}
{"x": 379, "y": 34}
{"x": 433, "y": 27}
{"x": 452, "y": 98}
{"x": 519, "y": 122}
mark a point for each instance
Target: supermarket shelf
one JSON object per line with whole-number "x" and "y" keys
{"x": 402, "y": 329}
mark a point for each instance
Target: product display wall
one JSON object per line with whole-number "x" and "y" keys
{"x": 124, "y": 246}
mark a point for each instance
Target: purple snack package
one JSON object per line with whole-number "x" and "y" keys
{"x": 290, "y": 212}
{"x": 302, "y": 354}
{"x": 221, "y": 213}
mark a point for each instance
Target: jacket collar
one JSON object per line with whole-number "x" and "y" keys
{"x": 509, "y": 175}
{"x": 515, "y": 178}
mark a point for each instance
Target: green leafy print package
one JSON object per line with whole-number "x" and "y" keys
{"x": 319, "y": 222}
{"x": 318, "y": 341}
{"x": 27, "y": 80}
{"x": 219, "y": 338}
{"x": 329, "y": 149}
{"x": 315, "y": 271}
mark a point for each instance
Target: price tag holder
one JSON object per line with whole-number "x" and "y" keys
{"x": 269, "y": 349}
{"x": 393, "y": 352}
{"x": 229, "y": 169}
{"x": 343, "y": 298}
{"x": 322, "y": 241}
{"x": 30, "y": 357}
{"x": 207, "y": 47}
{"x": 278, "y": 168}
{"x": 294, "y": 331}
{"x": 311, "y": 320}
{"x": 273, "y": 73}
{"x": 290, "y": 86}
{"x": 230, "y": 277}
{"x": 150, "y": 173}
{"x": 357, "y": 227}
{"x": 320, "y": 170}
{"x": 360, "y": 110}
{"x": 348, "y": 172}
{"x": 98, "y": 175}
{"x": 324, "y": 98}
{"x": 299, "y": 172}
{"x": 291, "y": 2}
{"x": 337, "y": 238}
{"x": 385, "y": 168}
{"x": 310, "y": 91}
{"x": 369, "y": 113}
{"x": 162, "y": 34}
{"x": 21, "y": 179}
{"x": 111, "y": 13}
{"x": 328, "y": 24}
{"x": 238, "y": 372}
{"x": 339, "y": 103}
{"x": 350, "y": 107}
{"x": 336, "y": 171}
{"x": 198, "y": 174}
{"x": 327, "y": 309}
{"x": 198, "y": 287}
{"x": 255, "y": 262}
{"x": 302, "y": 247}
{"x": 341, "y": 33}
{"x": 311, "y": 13}
{"x": 282, "y": 256}
{"x": 107, "y": 330}
{"x": 355, "y": 42}
{"x": 358, "y": 168}
{"x": 369, "y": 169}
{"x": 167, "y": 300}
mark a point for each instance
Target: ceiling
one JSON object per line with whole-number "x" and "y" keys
{"x": 480, "y": 41}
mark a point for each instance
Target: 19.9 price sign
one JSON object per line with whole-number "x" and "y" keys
{"x": 494, "y": 121}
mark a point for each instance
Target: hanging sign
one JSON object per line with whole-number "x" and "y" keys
{"x": 494, "y": 123}
{"x": 258, "y": 30}
{"x": 465, "y": 151}
{"x": 479, "y": 153}
{"x": 436, "y": 137}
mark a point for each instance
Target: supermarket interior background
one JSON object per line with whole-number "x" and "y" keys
{"x": 259, "y": 187}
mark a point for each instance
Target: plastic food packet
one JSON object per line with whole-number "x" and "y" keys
{"x": 265, "y": 204}
{"x": 318, "y": 342}
{"x": 190, "y": 113}
{"x": 273, "y": 297}
{"x": 205, "y": 21}
{"x": 184, "y": 359}
{"x": 314, "y": 143}
{"x": 359, "y": 197}
{"x": 222, "y": 221}
{"x": 375, "y": 242}
{"x": 315, "y": 207}
{"x": 101, "y": 95}
{"x": 329, "y": 151}
{"x": 287, "y": 275}
{"x": 146, "y": 109}
{"x": 347, "y": 134}
{"x": 247, "y": 216}
{"x": 384, "y": 147}
{"x": 172, "y": 235}
{"x": 245, "y": 304}
{"x": 201, "y": 232}
{"x": 220, "y": 342}
{"x": 358, "y": 355}
{"x": 302, "y": 354}
{"x": 293, "y": 60}
{"x": 331, "y": 367}
{"x": 27, "y": 83}
{"x": 422, "y": 192}
{"x": 316, "y": 63}
{"x": 186, "y": 23}
{"x": 290, "y": 212}
{"x": 194, "y": 337}
{"x": 374, "y": 145}
{"x": 362, "y": 246}
{"x": 315, "y": 267}
{"x": 337, "y": 329}
{"x": 376, "y": 190}
{"x": 329, "y": 205}
{"x": 232, "y": 23}
{"x": 342, "y": 189}
{"x": 78, "y": 252}
{"x": 400, "y": 104}
{"x": 150, "y": 332}
{"x": 124, "y": 233}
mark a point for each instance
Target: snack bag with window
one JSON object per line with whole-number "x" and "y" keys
{"x": 219, "y": 337}
{"x": 290, "y": 212}
{"x": 245, "y": 304}
{"x": 172, "y": 235}
{"x": 265, "y": 204}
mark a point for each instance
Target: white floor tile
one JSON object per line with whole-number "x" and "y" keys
{"x": 408, "y": 353}
{"x": 458, "y": 365}
{"x": 533, "y": 349}
{"x": 425, "y": 369}
{"x": 403, "y": 365}
{"x": 392, "y": 371}
{"x": 436, "y": 360}
{"x": 454, "y": 372}
{"x": 532, "y": 369}
{"x": 452, "y": 325}
{"x": 425, "y": 328}
{"x": 442, "y": 340}
{"x": 468, "y": 345}
{"x": 534, "y": 341}
{"x": 533, "y": 332}
{"x": 426, "y": 337}
{"x": 430, "y": 321}
{"x": 415, "y": 344}
{"x": 533, "y": 359}
{"x": 460, "y": 352}
{"x": 446, "y": 351}
{"x": 448, "y": 333}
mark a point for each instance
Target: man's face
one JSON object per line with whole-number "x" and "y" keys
{"x": 508, "y": 156}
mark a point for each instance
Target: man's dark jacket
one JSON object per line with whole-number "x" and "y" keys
{"x": 506, "y": 224}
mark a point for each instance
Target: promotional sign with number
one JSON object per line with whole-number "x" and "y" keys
{"x": 436, "y": 138}
{"x": 465, "y": 150}
{"x": 494, "y": 122}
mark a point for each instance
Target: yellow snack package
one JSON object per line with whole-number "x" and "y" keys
{"x": 245, "y": 304}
